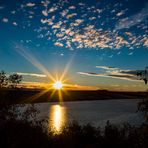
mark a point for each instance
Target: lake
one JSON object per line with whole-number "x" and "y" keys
{"x": 96, "y": 113}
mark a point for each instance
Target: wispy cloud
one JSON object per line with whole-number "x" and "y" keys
{"x": 32, "y": 59}
{"x": 107, "y": 67}
{"x": 116, "y": 76}
{"x": 2, "y": 7}
{"x": 121, "y": 77}
{"x": 112, "y": 72}
{"x": 34, "y": 85}
{"x": 58, "y": 44}
{"x": 32, "y": 74}
{"x": 92, "y": 74}
{"x": 5, "y": 20}
{"x": 133, "y": 20}
{"x": 30, "y": 4}
{"x": 14, "y": 23}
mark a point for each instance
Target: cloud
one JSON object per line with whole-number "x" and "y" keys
{"x": 48, "y": 21}
{"x": 92, "y": 18}
{"x": 133, "y": 20}
{"x": 14, "y": 23}
{"x": 30, "y": 4}
{"x": 130, "y": 75}
{"x": 32, "y": 74}
{"x": 77, "y": 22}
{"x": 45, "y": 3}
{"x": 74, "y": 28}
{"x": 43, "y": 85}
{"x": 120, "y": 13}
{"x": 90, "y": 74}
{"x": 34, "y": 85}
{"x": 64, "y": 12}
{"x": 107, "y": 67}
{"x": 57, "y": 25}
{"x": 145, "y": 41}
{"x": 5, "y": 20}
{"x": 71, "y": 15}
{"x": 1, "y": 7}
{"x": 29, "y": 57}
{"x": 59, "y": 44}
{"x": 52, "y": 9}
{"x": 77, "y": 26}
{"x": 121, "y": 77}
{"x": 45, "y": 12}
{"x": 72, "y": 7}
{"x": 131, "y": 53}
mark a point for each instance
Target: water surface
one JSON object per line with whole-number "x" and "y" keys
{"x": 96, "y": 113}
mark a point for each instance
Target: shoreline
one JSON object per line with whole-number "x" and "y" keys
{"x": 23, "y": 96}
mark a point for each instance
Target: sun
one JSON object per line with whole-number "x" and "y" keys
{"x": 58, "y": 85}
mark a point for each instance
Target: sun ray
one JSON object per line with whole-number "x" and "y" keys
{"x": 60, "y": 95}
{"x": 58, "y": 83}
{"x": 65, "y": 91}
{"x": 67, "y": 68}
{"x": 36, "y": 96}
{"x": 28, "y": 56}
{"x": 53, "y": 92}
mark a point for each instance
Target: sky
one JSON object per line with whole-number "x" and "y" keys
{"x": 98, "y": 44}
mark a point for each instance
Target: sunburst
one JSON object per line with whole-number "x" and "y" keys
{"x": 57, "y": 84}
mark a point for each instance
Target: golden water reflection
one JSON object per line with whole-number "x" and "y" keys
{"x": 57, "y": 118}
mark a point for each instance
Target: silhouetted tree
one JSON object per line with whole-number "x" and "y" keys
{"x": 3, "y": 79}
{"x": 143, "y": 75}
{"x": 14, "y": 80}
{"x": 143, "y": 107}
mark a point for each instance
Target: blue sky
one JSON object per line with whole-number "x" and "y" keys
{"x": 83, "y": 34}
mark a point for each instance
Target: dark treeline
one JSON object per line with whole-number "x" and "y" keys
{"x": 19, "y": 96}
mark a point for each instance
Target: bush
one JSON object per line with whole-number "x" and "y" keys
{"x": 16, "y": 133}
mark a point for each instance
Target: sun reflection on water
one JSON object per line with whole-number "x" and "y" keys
{"x": 57, "y": 118}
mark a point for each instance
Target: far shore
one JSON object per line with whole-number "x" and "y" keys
{"x": 21, "y": 96}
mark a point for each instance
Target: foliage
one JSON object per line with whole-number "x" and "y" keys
{"x": 143, "y": 107}
{"x": 3, "y": 79}
{"x": 16, "y": 133}
{"x": 11, "y": 81}
{"x": 14, "y": 80}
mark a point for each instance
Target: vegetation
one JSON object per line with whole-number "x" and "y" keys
{"x": 143, "y": 107}
{"x": 20, "y": 132}
{"x": 11, "y": 81}
{"x": 3, "y": 79}
{"x": 17, "y": 130}
{"x": 14, "y": 80}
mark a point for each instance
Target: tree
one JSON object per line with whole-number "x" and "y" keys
{"x": 3, "y": 79}
{"x": 143, "y": 75}
{"x": 143, "y": 107}
{"x": 14, "y": 80}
